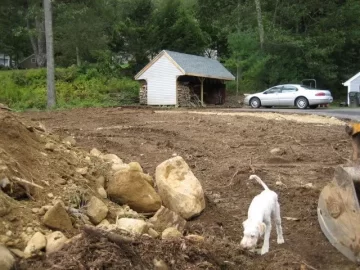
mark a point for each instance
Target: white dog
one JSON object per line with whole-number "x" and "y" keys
{"x": 262, "y": 208}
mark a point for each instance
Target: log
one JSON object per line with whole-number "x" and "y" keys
{"x": 112, "y": 237}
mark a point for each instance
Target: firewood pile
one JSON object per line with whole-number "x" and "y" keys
{"x": 187, "y": 97}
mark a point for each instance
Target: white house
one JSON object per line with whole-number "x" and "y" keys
{"x": 163, "y": 74}
{"x": 353, "y": 85}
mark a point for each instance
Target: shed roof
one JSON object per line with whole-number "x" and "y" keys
{"x": 351, "y": 79}
{"x": 194, "y": 65}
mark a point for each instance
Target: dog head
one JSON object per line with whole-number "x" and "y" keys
{"x": 252, "y": 232}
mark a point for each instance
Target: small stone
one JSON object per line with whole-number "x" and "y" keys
{"x": 35, "y": 210}
{"x": 55, "y": 242}
{"x": 309, "y": 185}
{"x": 29, "y": 230}
{"x": 69, "y": 141}
{"x": 96, "y": 210}
{"x": 277, "y": 151}
{"x": 36, "y": 243}
{"x": 102, "y": 192}
{"x": 57, "y": 218}
{"x": 7, "y": 260}
{"x": 165, "y": 218}
{"x": 171, "y": 233}
{"x": 50, "y": 146}
{"x": 133, "y": 226}
{"x": 9, "y": 233}
{"x": 82, "y": 171}
{"x": 18, "y": 252}
{"x": 104, "y": 222}
{"x": 195, "y": 238}
{"x": 112, "y": 158}
{"x": 50, "y": 195}
{"x": 96, "y": 153}
{"x": 4, "y": 239}
{"x": 153, "y": 233}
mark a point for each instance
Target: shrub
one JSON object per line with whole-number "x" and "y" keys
{"x": 75, "y": 87}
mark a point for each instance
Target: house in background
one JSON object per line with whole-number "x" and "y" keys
{"x": 173, "y": 78}
{"x": 28, "y": 62}
{"x": 4, "y": 60}
{"x": 353, "y": 85}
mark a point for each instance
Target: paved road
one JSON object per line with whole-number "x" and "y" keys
{"x": 342, "y": 113}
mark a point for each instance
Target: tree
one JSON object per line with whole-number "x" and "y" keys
{"x": 51, "y": 93}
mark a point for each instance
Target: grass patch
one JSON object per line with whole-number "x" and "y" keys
{"x": 75, "y": 87}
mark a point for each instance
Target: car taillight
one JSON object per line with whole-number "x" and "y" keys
{"x": 320, "y": 94}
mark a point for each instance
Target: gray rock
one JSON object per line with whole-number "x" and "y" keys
{"x": 96, "y": 210}
{"x": 165, "y": 218}
{"x": 57, "y": 218}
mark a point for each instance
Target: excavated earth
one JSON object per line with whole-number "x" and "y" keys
{"x": 222, "y": 149}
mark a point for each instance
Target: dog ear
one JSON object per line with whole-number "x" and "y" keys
{"x": 262, "y": 228}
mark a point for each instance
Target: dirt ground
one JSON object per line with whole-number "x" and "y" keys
{"x": 223, "y": 150}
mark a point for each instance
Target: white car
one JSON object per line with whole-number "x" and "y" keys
{"x": 289, "y": 95}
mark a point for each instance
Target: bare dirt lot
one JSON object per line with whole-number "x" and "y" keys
{"x": 223, "y": 150}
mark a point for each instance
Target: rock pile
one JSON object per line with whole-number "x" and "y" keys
{"x": 58, "y": 188}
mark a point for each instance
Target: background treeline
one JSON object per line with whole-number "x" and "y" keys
{"x": 263, "y": 42}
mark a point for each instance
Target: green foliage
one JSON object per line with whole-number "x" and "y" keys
{"x": 75, "y": 88}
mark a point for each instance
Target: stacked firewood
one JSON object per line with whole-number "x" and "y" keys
{"x": 183, "y": 94}
{"x": 143, "y": 94}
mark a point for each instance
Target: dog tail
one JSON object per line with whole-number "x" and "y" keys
{"x": 258, "y": 179}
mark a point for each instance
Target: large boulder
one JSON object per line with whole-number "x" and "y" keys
{"x": 133, "y": 188}
{"x": 165, "y": 218}
{"x": 96, "y": 210}
{"x": 7, "y": 260}
{"x": 57, "y": 218}
{"x": 179, "y": 189}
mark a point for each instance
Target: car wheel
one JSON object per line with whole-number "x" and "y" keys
{"x": 255, "y": 102}
{"x": 302, "y": 103}
{"x": 313, "y": 106}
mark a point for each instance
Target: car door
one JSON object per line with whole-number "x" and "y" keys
{"x": 287, "y": 95}
{"x": 270, "y": 96}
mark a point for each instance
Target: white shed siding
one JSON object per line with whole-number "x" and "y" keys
{"x": 354, "y": 86}
{"x": 161, "y": 82}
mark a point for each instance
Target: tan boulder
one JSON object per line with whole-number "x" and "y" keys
{"x": 57, "y": 218}
{"x": 96, "y": 210}
{"x": 55, "y": 241}
{"x": 35, "y": 244}
{"x": 179, "y": 189}
{"x": 132, "y": 188}
{"x": 133, "y": 226}
{"x": 165, "y": 218}
{"x": 171, "y": 233}
{"x": 7, "y": 260}
{"x": 135, "y": 166}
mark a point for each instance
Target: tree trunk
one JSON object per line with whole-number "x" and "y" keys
{"x": 51, "y": 93}
{"x": 78, "y": 59}
{"x": 260, "y": 22}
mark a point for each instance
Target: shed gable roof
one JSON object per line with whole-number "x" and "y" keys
{"x": 194, "y": 65}
{"x": 351, "y": 79}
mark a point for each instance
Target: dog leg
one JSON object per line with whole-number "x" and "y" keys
{"x": 279, "y": 232}
{"x": 265, "y": 247}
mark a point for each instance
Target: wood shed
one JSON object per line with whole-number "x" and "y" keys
{"x": 353, "y": 85}
{"x": 179, "y": 79}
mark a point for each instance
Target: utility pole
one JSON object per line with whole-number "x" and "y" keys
{"x": 50, "y": 65}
